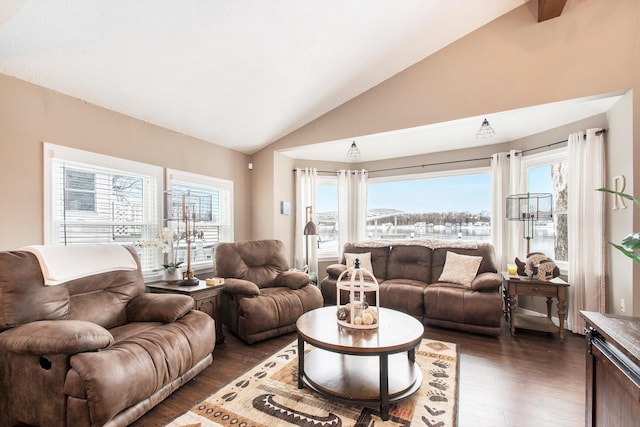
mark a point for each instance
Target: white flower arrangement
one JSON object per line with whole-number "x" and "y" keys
{"x": 166, "y": 240}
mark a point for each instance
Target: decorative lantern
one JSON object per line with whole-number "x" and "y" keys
{"x": 356, "y": 313}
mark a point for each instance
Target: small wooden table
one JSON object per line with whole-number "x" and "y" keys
{"x": 205, "y": 298}
{"x": 363, "y": 365}
{"x": 521, "y": 285}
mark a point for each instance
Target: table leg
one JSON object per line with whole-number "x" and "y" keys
{"x": 300, "y": 362}
{"x": 562, "y": 311}
{"x": 549, "y": 301}
{"x": 512, "y": 309}
{"x": 384, "y": 386}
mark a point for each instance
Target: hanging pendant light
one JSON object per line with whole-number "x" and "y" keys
{"x": 353, "y": 150}
{"x": 485, "y": 131}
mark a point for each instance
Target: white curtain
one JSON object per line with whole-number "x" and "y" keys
{"x": 499, "y": 191}
{"x": 506, "y": 179}
{"x": 305, "y": 196}
{"x": 586, "y": 226}
{"x": 352, "y": 206}
{"x": 516, "y": 245}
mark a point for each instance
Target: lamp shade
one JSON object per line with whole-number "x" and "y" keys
{"x": 529, "y": 206}
{"x": 311, "y": 229}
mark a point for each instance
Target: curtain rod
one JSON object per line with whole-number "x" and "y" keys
{"x": 599, "y": 132}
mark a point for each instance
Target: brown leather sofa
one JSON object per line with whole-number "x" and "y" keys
{"x": 92, "y": 351}
{"x": 408, "y": 276}
{"x": 261, "y": 297}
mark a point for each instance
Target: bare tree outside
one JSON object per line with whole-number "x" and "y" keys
{"x": 559, "y": 177}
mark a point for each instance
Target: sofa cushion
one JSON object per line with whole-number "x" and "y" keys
{"x": 56, "y": 336}
{"x": 379, "y": 257}
{"x": 461, "y": 269}
{"x": 240, "y": 287}
{"x": 164, "y": 308}
{"x": 364, "y": 261}
{"x": 258, "y": 261}
{"x": 335, "y": 270}
{"x": 405, "y": 295}
{"x": 293, "y": 279}
{"x": 486, "y": 282}
{"x": 145, "y": 357}
{"x": 409, "y": 262}
{"x": 485, "y": 250}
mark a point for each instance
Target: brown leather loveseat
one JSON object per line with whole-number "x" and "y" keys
{"x": 94, "y": 350}
{"x": 261, "y": 297}
{"x": 410, "y": 275}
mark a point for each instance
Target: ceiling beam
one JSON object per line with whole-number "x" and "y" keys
{"x": 549, "y": 9}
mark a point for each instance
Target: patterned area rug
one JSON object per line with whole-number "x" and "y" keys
{"x": 268, "y": 395}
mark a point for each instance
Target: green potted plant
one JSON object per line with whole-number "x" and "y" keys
{"x": 630, "y": 245}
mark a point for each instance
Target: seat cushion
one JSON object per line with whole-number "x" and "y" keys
{"x": 405, "y": 295}
{"x": 144, "y": 358}
{"x": 277, "y": 307}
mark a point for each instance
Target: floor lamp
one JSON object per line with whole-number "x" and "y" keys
{"x": 528, "y": 208}
{"x": 309, "y": 230}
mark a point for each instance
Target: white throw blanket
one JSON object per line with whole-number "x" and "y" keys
{"x": 433, "y": 244}
{"x": 61, "y": 264}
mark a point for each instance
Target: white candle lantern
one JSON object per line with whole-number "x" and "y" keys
{"x": 356, "y": 313}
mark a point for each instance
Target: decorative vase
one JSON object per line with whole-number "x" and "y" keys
{"x": 171, "y": 276}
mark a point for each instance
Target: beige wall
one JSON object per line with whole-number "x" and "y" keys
{"x": 513, "y": 62}
{"x": 619, "y": 143}
{"x": 31, "y": 115}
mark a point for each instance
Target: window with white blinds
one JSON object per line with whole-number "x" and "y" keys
{"x": 93, "y": 198}
{"x": 210, "y": 202}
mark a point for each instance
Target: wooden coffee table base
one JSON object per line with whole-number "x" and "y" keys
{"x": 376, "y": 365}
{"x": 360, "y": 378}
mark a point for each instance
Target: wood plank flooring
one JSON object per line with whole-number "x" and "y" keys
{"x": 529, "y": 380}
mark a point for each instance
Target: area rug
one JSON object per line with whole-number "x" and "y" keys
{"x": 268, "y": 395}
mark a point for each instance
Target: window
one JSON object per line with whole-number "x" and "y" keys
{"x": 548, "y": 173}
{"x": 450, "y": 205}
{"x": 80, "y": 190}
{"x": 210, "y": 201}
{"x": 326, "y": 216}
{"x": 93, "y": 198}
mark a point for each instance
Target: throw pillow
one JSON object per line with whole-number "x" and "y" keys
{"x": 365, "y": 260}
{"x": 460, "y": 269}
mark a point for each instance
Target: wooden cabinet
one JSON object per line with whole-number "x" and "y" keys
{"x": 613, "y": 370}
{"x": 205, "y": 298}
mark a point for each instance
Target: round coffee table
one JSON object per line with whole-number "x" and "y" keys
{"x": 363, "y": 365}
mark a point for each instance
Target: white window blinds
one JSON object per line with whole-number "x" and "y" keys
{"x": 210, "y": 201}
{"x": 92, "y": 198}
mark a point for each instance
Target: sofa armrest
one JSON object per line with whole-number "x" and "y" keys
{"x": 241, "y": 287}
{"x": 55, "y": 337}
{"x": 293, "y": 279}
{"x": 335, "y": 270}
{"x": 166, "y": 308}
{"x": 486, "y": 282}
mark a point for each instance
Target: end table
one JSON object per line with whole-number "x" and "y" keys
{"x": 521, "y": 285}
{"x": 205, "y": 298}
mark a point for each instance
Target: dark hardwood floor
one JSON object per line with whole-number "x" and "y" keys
{"x": 529, "y": 380}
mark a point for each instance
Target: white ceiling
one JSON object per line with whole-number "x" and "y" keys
{"x": 244, "y": 73}
{"x": 238, "y": 73}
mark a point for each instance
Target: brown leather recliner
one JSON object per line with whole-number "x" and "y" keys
{"x": 92, "y": 351}
{"x": 261, "y": 297}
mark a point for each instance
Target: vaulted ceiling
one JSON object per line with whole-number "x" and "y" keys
{"x": 237, "y": 73}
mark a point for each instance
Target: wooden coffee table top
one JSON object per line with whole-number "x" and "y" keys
{"x": 396, "y": 332}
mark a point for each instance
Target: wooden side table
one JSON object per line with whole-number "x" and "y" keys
{"x": 205, "y": 298}
{"x": 519, "y": 285}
